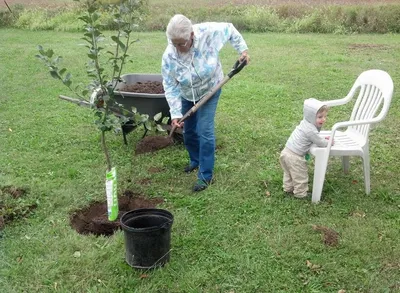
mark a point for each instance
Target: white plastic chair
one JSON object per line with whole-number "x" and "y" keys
{"x": 375, "y": 90}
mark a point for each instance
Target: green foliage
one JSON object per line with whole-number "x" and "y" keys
{"x": 254, "y": 19}
{"x": 294, "y": 17}
{"x": 288, "y": 17}
{"x": 8, "y": 18}
{"x": 104, "y": 75}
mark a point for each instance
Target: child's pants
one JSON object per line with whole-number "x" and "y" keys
{"x": 295, "y": 173}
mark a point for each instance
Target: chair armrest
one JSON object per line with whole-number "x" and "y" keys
{"x": 344, "y": 124}
{"x": 339, "y": 102}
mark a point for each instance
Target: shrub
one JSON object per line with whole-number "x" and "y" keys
{"x": 281, "y": 18}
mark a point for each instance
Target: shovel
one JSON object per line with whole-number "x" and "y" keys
{"x": 154, "y": 143}
{"x": 236, "y": 69}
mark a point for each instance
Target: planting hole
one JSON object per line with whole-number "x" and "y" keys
{"x": 93, "y": 219}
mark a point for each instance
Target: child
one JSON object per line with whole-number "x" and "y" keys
{"x": 292, "y": 158}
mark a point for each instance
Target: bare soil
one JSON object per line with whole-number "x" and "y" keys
{"x": 329, "y": 236}
{"x": 93, "y": 219}
{"x": 151, "y": 144}
{"x": 14, "y": 205}
{"x": 147, "y": 87}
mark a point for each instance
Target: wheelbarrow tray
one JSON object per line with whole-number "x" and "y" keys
{"x": 150, "y": 104}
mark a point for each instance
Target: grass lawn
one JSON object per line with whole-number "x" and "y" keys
{"x": 240, "y": 235}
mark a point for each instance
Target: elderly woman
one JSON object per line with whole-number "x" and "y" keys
{"x": 190, "y": 69}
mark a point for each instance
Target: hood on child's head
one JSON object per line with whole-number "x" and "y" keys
{"x": 310, "y": 109}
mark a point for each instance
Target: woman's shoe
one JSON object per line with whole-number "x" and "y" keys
{"x": 188, "y": 169}
{"x": 201, "y": 185}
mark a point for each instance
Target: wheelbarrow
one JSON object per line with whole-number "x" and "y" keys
{"x": 145, "y": 103}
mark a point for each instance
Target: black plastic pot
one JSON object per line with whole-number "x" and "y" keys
{"x": 147, "y": 237}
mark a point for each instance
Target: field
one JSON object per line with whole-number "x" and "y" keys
{"x": 46, "y": 3}
{"x": 240, "y": 235}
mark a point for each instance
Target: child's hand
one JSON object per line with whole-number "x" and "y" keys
{"x": 328, "y": 137}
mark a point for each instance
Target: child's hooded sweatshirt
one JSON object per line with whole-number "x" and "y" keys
{"x": 307, "y": 133}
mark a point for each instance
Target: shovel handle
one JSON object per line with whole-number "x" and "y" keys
{"x": 237, "y": 67}
{"x": 172, "y": 130}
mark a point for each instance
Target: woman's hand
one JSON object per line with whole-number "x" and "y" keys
{"x": 175, "y": 122}
{"x": 245, "y": 56}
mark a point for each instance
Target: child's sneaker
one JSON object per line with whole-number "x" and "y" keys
{"x": 288, "y": 193}
{"x": 308, "y": 194}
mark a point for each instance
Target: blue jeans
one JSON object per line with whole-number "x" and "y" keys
{"x": 199, "y": 137}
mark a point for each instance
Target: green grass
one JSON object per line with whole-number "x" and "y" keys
{"x": 230, "y": 237}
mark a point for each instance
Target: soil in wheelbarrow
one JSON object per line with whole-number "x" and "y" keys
{"x": 93, "y": 219}
{"x": 147, "y": 87}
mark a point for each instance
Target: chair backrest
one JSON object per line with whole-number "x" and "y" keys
{"x": 375, "y": 91}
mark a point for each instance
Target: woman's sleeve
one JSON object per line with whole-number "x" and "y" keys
{"x": 171, "y": 89}
{"x": 224, "y": 32}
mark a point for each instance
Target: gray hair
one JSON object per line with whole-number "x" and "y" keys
{"x": 179, "y": 27}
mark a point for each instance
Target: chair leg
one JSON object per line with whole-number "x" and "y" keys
{"x": 366, "y": 166}
{"x": 321, "y": 163}
{"x": 346, "y": 164}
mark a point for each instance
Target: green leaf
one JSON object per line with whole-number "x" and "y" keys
{"x": 57, "y": 60}
{"x": 49, "y": 53}
{"x": 138, "y": 117}
{"x": 125, "y": 112}
{"x": 118, "y": 41}
{"x": 92, "y": 56}
{"x": 160, "y": 128}
{"x": 145, "y": 117}
{"x": 84, "y": 18}
{"x": 157, "y": 116}
{"x": 148, "y": 126}
{"x": 67, "y": 83}
{"x": 95, "y": 17}
{"x": 62, "y": 71}
{"x": 165, "y": 120}
{"x": 68, "y": 76}
{"x": 54, "y": 74}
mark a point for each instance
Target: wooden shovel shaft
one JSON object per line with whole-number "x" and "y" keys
{"x": 200, "y": 103}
